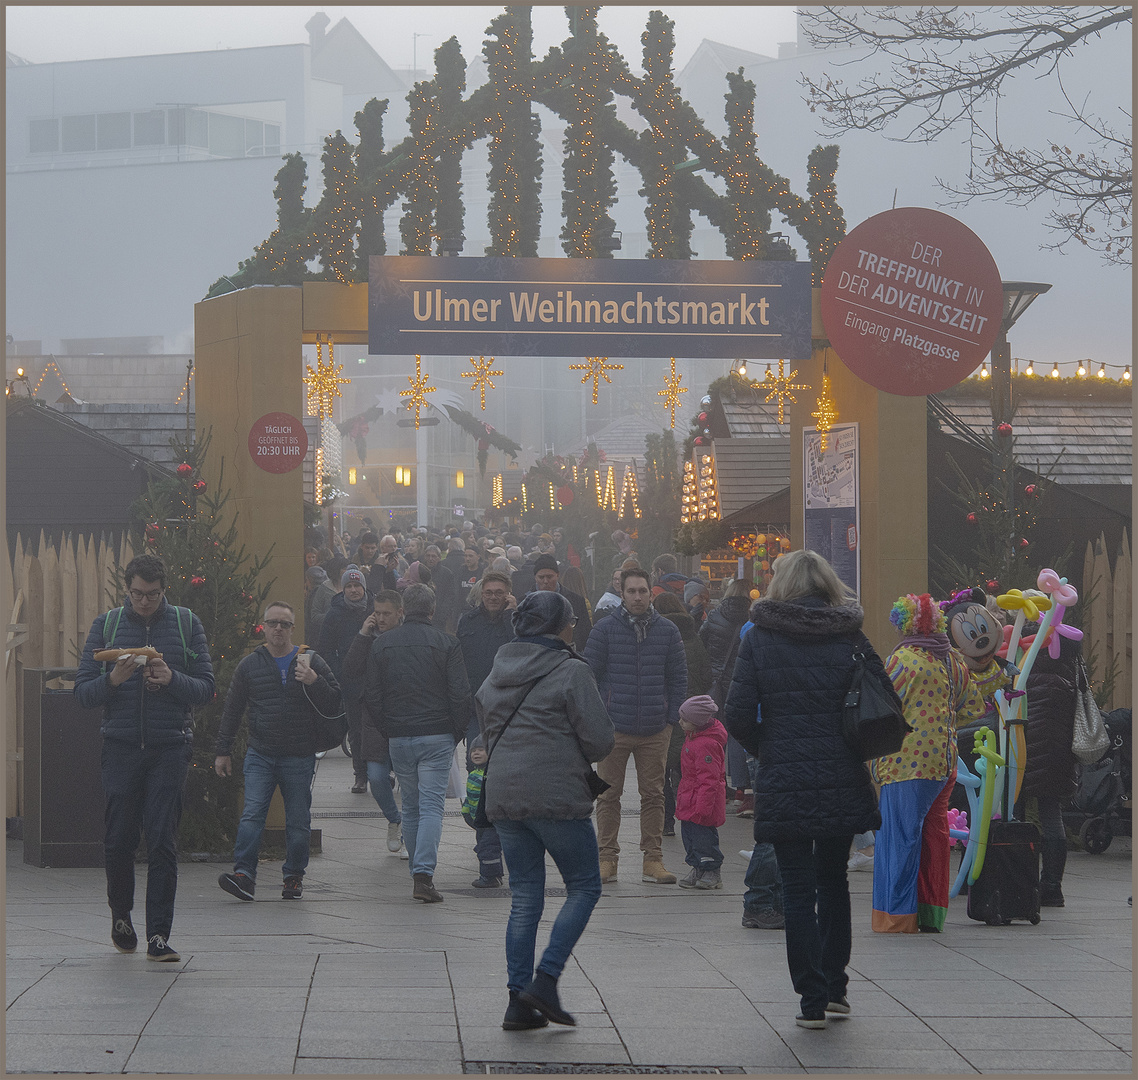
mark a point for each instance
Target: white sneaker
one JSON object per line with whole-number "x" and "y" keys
{"x": 858, "y": 861}
{"x": 403, "y": 849}
{"x": 746, "y": 855}
{"x": 394, "y": 839}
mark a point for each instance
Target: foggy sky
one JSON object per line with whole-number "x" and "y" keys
{"x": 43, "y": 34}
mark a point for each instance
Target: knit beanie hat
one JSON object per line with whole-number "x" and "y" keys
{"x": 545, "y": 562}
{"x": 541, "y": 613}
{"x": 692, "y": 589}
{"x": 353, "y": 574}
{"x": 316, "y": 575}
{"x": 699, "y": 711}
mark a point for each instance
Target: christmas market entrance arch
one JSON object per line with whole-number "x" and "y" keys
{"x": 248, "y": 363}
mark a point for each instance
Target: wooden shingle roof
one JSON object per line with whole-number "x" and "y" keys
{"x": 750, "y": 470}
{"x": 1078, "y": 441}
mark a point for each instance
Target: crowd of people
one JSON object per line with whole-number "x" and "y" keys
{"x": 497, "y": 645}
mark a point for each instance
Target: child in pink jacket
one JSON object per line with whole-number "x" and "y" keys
{"x": 701, "y": 798}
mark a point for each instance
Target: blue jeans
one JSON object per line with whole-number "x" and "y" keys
{"x": 816, "y": 909}
{"x": 573, "y": 847}
{"x": 143, "y": 791}
{"x": 422, "y": 763}
{"x": 763, "y": 881}
{"x": 701, "y": 843}
{"x": 263, "y": 774}
{"x": 379, "y": 777}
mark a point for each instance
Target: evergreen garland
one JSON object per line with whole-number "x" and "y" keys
{"x": 336, "y": 217}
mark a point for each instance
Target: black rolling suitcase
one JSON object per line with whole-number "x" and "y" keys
{"x": 1008, "y": 885}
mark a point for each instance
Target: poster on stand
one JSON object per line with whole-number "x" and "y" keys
{"x": 830, "y": 481}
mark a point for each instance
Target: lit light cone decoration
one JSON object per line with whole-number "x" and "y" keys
{"x": 672, "y": 390}
{"x": 689, "y": 498}
{"x": 708, "y": 505}
{"x": 596, "y": 368}
{"x": 826, "y": 413}
{"x": 781, "y": 387}
{"x": 419, "y": 390}
{"x": 480, "y": 377}
{"x": 323, "y": 388}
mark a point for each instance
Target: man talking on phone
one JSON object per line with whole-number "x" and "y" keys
{"x": 282, "y": 687}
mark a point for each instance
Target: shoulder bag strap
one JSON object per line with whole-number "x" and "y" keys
{"x": 490, "y": 750}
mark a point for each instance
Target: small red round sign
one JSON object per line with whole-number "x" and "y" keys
{"x": 912, "y": 301}
{"x": 278, "y": 442}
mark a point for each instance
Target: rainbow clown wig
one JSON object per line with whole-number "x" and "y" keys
{"x": 918, "y": 615}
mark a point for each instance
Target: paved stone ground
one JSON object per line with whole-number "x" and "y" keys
{"x": 358, "y": 978}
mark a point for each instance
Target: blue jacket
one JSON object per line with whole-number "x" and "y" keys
{"x": 130, "y": 712}
{"x": 642, "y": 683}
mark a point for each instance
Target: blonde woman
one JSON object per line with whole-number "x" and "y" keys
{"x": 812, "y": 793}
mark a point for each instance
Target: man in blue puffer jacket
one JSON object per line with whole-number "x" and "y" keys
{"x": 638, "y": 660}
{"x": 147, "y": 743}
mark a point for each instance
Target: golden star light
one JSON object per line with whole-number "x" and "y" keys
{"x": 595, "y": 368}
{"x": 781, "y": 387}
{"x": 323, "y": 383}
{"x": 480, "y": 377}
{"x": 419, "y": 390}
{"x": 825, "y": 414}
{"x": 672, "y": 390}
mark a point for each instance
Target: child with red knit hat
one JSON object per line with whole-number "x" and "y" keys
{"x": 701, "y": 798}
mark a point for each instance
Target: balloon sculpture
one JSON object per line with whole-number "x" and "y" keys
{"x": 1002, "y": 767}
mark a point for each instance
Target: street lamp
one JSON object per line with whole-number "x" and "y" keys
{"x": 1018, "y": 297}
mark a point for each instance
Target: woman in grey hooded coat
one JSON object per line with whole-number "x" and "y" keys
{"x": 543, "y": 723}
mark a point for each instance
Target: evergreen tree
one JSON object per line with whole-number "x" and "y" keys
{"x": 188, "y": 525}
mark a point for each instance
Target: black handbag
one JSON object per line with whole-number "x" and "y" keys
{"x": 873, "y": 722}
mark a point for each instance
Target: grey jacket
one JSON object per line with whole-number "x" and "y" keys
{"x": 539, "y": 769}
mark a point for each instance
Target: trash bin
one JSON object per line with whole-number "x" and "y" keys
{"x": 63, "y": 789}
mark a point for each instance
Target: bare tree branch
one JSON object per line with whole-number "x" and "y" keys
{"x": 948, "y": 66}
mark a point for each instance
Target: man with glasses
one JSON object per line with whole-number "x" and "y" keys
{"x": 481, "y": 632}
{"x": 147, "y": 743}
{"x": 282, "y": 688}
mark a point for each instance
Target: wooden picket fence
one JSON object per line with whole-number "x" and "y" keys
{"x": 57, "y": 593}
{"x": 1108, "y": 618}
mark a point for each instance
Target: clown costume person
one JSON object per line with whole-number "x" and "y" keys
{"x": 911, "y": 865}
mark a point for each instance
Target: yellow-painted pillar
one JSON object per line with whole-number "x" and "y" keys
{"x": 893, "y": 483}
{"x": 247, "y": 362}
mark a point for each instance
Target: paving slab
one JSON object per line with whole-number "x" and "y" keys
{"x": 359, "y": 979}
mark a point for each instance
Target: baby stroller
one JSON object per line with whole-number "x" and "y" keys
{"x": 1100, "y": 807}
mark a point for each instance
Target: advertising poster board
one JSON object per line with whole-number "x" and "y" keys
{"x": 830, "y": 480}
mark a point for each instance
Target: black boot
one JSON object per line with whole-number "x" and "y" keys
{"x": 1054, "y": 852}
{"x": 521, "y": 1017}
{"x": 541, "y": 994}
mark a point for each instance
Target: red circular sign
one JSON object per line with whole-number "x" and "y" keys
{"x": 912, "y": 301}
{"x": 278, "y": 442}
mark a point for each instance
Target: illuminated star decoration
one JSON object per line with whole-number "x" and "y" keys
{"x": 595, "y": 368}
{"x": 672, "y": 390}
{"x": 480, "y": 377}
{"x": 419, "y": 390}
{"x": 323, "y": 383}
{"x": 781, "y": 387}
{"x": 826, "y": 412}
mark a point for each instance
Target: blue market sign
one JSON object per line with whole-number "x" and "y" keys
{"x": 587, "y": 307}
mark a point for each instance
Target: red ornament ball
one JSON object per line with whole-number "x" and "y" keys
{"x": 1004, "y": 429}
{"x": 197, "y": 582}
{"x": 702, "y": 418}
{"x": 699, "y": 440}
{"x": 152, "y": 527}
{"x": 971, "y": 519}
{"x": 993, "y": 586}
{"x": 1030, "y": 490}
{"x": 1023, "y": 542}
{"x": 258, "y": 629}
{"x": 184, "y": 469}
{"x": 565, "y": 495}
{"x": 199, "y": 485}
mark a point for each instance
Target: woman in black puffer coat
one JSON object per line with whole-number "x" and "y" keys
{"x": 812, "y": 792}
{"x": 1049, "y": 775}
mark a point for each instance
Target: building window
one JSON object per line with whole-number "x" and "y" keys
{"x": 226, "y": 135}
{"x": 188, "y": 127}
{"x": 43, "y": 136}
{"x": 254, "y": 138}
{"x": 113, "y": 131}
{"x": 150, "y": 128}
{"x": 79, "y": 133}
{"x": 272, "y": 139}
